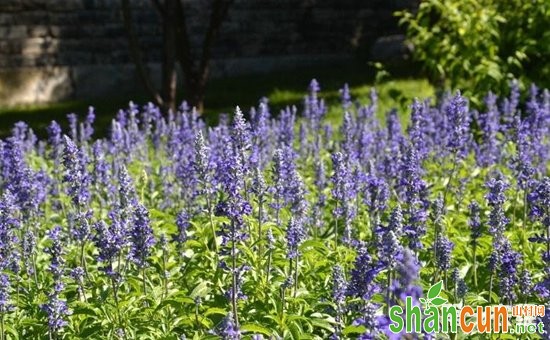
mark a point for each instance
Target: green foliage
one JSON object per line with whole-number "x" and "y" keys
{"x": 185, "y": 293}
{"x": 481, "y": 45}
{"x": 183, "y": 290}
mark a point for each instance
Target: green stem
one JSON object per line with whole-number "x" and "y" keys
{"x": 115, "y": 296}
{"x": 290, "y": 267}
{"x": 16, "y": 294}
{"x": 455, "y": 291}
{"x": 451, "y": 177}
{"x": 475, "y": 266}
{"x": 234, "y": 274}
{"x": 83, "y": 261}
{"x": 514, "y": 206}
{"x": 210, "y": 213}
{"x": 524, "y": 208}
{"x": 35, "y": 274}
{"x": 336, "y": 230}
{"x": 144, "y": 282}
{"x": 317, "y": 225}
{"x": 491, "y": 287}
{"x": 388, "y": 293}
{"x": 296, "y": 277}
{"x": 277, "y": 213}
{"x": 165, "y": 279}
{"x": 282, "y": 309}
{"x": 435, "y": 256}
{"x": 268, "y": 267}
{"x": 260, "y": 241}
{"x": 445, "y": 276}
{"x": 2, "y": 335}
{"x": 197, "y": 316}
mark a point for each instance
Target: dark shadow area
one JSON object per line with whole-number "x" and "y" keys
{"x": 283, "y": 88}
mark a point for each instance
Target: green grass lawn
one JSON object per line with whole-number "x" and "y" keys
{"x": 282, "y": 89}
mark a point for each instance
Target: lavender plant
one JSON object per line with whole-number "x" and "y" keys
{"x": 312, "y": 221}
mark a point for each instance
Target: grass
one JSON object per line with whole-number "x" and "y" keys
{"x": 281, "y": 88}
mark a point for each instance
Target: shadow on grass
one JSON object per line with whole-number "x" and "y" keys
{"x": 222, "y": 95}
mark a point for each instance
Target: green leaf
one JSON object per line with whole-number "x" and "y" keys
{"x": 84, "y": 310}
{"x": 317, "y": 245}
{"x": 438, "y": 301}
{"x": 435, "y": 290}
{"x": 9, "y": 330}
{"x": 177, "y": 304}
{"x": 324, "y": 324}
{"x": 201, "y": 290}
{"x": 253, "y": 328}
{"x": 215, "y": 310}
{"x": 474, "y": 299}
{"x": 89, "y": 331}
{"x": 353, "y": 330}
{"x": 208, "y": 337}
{"x": 422, "y": 300}
{"x": 295, "y": 330}
{"x": 161, "y": 215}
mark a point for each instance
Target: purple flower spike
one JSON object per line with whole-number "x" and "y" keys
{"x": 141, "y": 236}
{"x": 75, "y": 175}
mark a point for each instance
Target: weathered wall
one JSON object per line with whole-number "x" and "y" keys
{"x": 56, "y": 49}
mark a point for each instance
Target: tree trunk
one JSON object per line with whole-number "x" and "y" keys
{"x": 196, "y": 74}
{"x": 194, "y": 90}
{"x": 135, "y": 53}
{"x": 177, "y": 49}
{"x": 169, "y": 74}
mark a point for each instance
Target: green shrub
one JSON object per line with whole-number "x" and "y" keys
{"x": 481, "y": 44}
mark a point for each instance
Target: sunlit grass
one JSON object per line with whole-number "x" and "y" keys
{"x": 281, "y": 89}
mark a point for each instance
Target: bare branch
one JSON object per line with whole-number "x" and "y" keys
{"x": 136, "y": 54}
{"x": 196, "y": 71}
{"x": 169, "y": 58}
{"x": 159, "y": 7}
{"x": 183, "y": 44}
{"x": 220, "y": 9}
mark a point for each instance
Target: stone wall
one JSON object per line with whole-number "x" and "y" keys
{"x": 58, "y": 49}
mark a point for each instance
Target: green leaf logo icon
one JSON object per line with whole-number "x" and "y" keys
{"x": 433, "y": 296}
{"x": 438, "y": 301}
{"x": 435, "y": 290}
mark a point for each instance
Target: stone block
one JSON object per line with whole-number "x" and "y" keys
{"x": 55, "y": 31}
{"x": 101, "y": 4}
{"x": 35, "y": 46}
{"x": 65, "y": 19}
{"x": 13, "y": 32}
{"x": 31, "y": 17}
{"x": 67, "y": 32}
{"x": 65, "y": 5}
{"x": 35, "y": 4}
{"x": 73, "y": 58}
{"x": 10, "y": 5}
{"x": 38, "y": 31}
{"x": 10, "y": 46}
{"x": 114, "y": 30}
{"x": 9, "y": 61}
{"x": 6, "y": 19}
{"x": 92, "y": 81}
{"x": 46, "y": 60}
{"x": 28, "y": 85}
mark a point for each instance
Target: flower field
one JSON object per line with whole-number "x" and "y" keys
{"x": 274, "y": 226}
